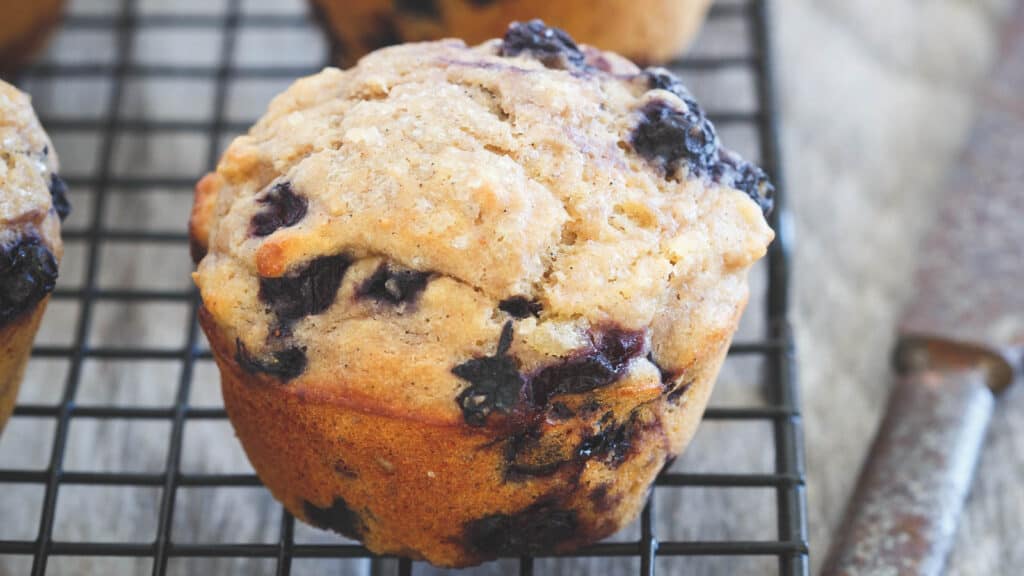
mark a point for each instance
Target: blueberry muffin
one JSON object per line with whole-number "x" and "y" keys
{"x": 466, "y": 301}
{"x": 24, "y": 27}
{"x": 648, "y": 31}
{"x": 32, "y": 202}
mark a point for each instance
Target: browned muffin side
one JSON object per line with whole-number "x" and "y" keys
{"x": 25, "y": 26}
{"x": 646, "y": 31}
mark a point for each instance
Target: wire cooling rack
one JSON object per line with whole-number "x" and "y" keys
{"x": 111, "y": 49}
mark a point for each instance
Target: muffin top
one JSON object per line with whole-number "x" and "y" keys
{"x": 32, "y": 201}
{"x": 446, "y": 230}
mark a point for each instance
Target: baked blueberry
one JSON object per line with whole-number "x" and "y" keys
{"x": 28, "y": 272}
{"x": 598, "y": 367}
{"x": 495, "y": 382}
{"x": 537, "y": 529}
{"x": 520, "y": 307}
{"x": 611, "y": 442}
{"x": 662, "y": 79}
{"x": 737, "y": 173}
{"x": 306, "y": 291}
{"x": 673, "y": 138}
{"x": 552, "y": 46}
{"x": 393, "y": 285}
{"x": 59, "y": 196}
{"x": 281, "y": 208}
{"x": 285, "y": 364}
{"x": 338, "y": 517}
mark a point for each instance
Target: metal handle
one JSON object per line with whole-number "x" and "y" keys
{"x": 904, "y": 511}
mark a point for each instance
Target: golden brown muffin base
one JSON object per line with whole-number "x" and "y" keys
{"x": 441, "y": 492}
{"x": 24, "y": 30}
{"x": 16, "y": 339}
{"x": 645, "y": 31}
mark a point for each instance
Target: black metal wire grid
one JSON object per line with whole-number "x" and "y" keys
{"x": 776, "y": 348}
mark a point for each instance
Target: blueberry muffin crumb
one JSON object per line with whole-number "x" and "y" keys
{"x": 508, "y": 271}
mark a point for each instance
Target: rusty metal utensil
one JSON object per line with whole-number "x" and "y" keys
{"x": 960, "y": 345}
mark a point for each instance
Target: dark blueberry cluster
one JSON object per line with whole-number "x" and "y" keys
{"x": 662, "y": 79}
{"x": 520, "y": 307}
{"x": 339, "y": 517}
{"x": 737, "y": 173}
{"x": 393, "y": 285}
{"x": 599, "y": 367}
{"x": 672, "y": 137}
{"x": 28, "y": 272}
{"x": 307, "y": 291}
{"x": 534, "y": 530}
{"x": 552, "y": 46}
{"x": 528, "y": 455}
{"x": 611, "y": 442}
{"x": 59, "y": 196}
{"x": 281, "y": 208}
{"x": 676, "y": 138}
{"x": 420, "y": 8}
{"x": 285, "y": 364}
{"x": 495, "y": 382}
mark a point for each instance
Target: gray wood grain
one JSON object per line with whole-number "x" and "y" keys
{"x": 873, "y": 110}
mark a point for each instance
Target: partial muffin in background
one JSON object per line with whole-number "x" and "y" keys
{"x": 467, "y": 302}
{"x": 32, "y": 203}
{"x": 25, "y": 25}
{"x": 646, "y": 31}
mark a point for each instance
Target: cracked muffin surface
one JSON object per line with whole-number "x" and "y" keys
{"x": 508, "y": 272}
{"x": 33, "y": 199}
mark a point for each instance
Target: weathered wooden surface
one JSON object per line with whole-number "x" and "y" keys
{"x": 872, "y": 118}
{"x": 873, "y": 110}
